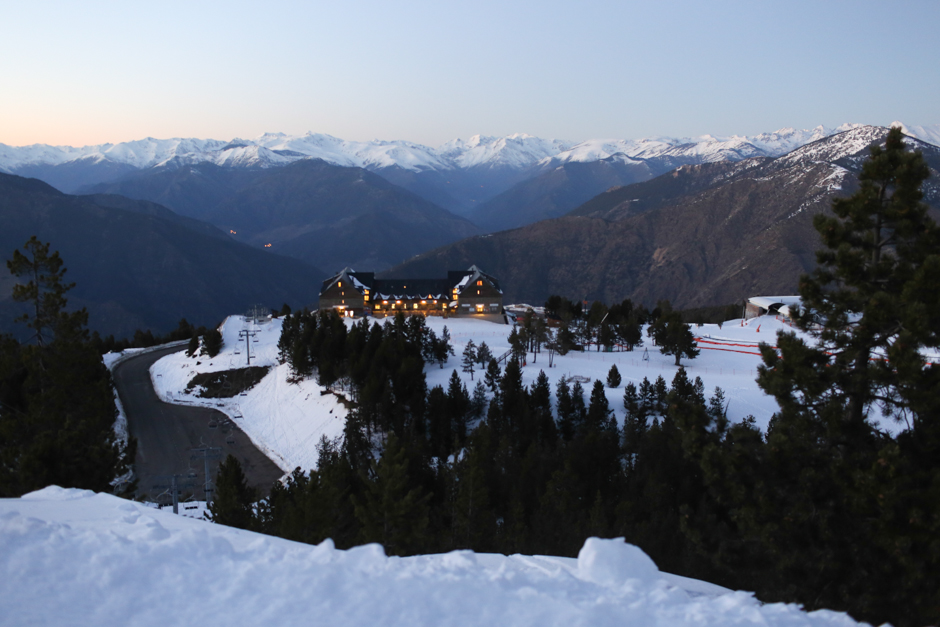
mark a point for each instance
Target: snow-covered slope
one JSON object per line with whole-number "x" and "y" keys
{"x": 516, "y": 152}
{"x": 284, "y": 420}
{"x": 929, "y": 133}
{"x": 287, "y": 420}
{"x": 848, "y": 143}
{"x": 703, "y": 149}
{"x": 140, "y": 153}
{"x": 72, "y": 557}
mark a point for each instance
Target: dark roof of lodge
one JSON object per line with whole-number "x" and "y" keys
{"x": 411, "y": 288}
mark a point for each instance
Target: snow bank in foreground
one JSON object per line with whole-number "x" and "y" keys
{"x": 72, "y": 557}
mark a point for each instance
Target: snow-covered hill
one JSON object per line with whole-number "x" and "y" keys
{"x": 517, "y": 152}
{"x": 286, "y": 420}
{"x": 929, "y": 133}
{"x": 73, "y": 557}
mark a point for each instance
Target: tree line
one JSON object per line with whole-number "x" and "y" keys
{"x": 57, "y": 407}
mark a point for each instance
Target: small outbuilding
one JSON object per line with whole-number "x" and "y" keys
{"x": 769, "y": 306}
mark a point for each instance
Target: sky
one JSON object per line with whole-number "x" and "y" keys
{"x": 430, "y": 71}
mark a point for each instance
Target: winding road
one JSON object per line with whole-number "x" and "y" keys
{"x": 166, "y": 434}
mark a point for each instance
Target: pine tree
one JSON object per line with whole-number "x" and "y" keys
{"x": 212, "y": 342}
{"x": 478, "y": 401}
{"x": 440, "y": 436}
{"x": 492, "y": 375}
{"x": 541, "y": 406}
{"x": 442, "y": 348}
{"x": 598, "y": 415}
{"x": 44, "y": 291}
{"x": 513, "y": 399}
{"x": 565, "y": 410}
{"x": 469, "y": 358}
{"x": 474, "y": 524}
{"x": 674, "y": 337}
{"x": 484, "y": 354}
{"x": 391, "y": 511}
{"x": 57, "y": 421}
{"x": 630, "y": 331}
{"x": 565, "y": 339}
{"x": 873, "y": 307}
{"x": 193, "y": 345}
{"x": 634, "y": 424}
{"x": 458, "y": 407}
{"x": 613, "y": 377}
{"x": 872, "y": 294}
{"x": 578, "y": 408}
{"x": 517, "y": 344}
{"x": 233, "y": 500}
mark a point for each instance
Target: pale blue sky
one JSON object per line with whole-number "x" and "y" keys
{"x": 87, "y": 73}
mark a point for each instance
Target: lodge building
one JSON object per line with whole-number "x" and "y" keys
{"x": 463, "y": 292}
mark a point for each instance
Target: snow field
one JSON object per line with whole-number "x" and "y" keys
{"x": 724, "y": 364}
{"x": 73, "y": 557}
{"x": 287, "y": 420}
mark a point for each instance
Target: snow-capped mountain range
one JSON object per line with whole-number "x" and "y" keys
{"x": 519, "y": 151}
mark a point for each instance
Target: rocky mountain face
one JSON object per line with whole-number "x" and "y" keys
{"x": 329, "y": 216}
{"x": 701, "y": 235}
{"x": 137, "y": 265}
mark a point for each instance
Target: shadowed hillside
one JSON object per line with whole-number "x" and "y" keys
{"x": 138, "y": 265}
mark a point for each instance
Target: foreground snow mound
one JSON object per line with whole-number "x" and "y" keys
{"x": 68, "y": 557}
{"x": 613, "y": 562}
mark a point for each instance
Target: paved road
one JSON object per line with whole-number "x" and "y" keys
{"x": 166, "y": 434}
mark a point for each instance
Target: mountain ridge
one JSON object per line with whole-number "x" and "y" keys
{"x": 518, "y": 151}
{"x": 701, "y": 235}
{"x": 460, "y": 175}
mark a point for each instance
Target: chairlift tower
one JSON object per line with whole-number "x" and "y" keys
{"x": 174, "y": 486}
{"x": 249, "y": 336}
{"x": 257, "y": 314}
{"x": 207, "y": 453}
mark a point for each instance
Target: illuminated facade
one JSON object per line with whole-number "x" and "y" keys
{"x": 463, "y": 292}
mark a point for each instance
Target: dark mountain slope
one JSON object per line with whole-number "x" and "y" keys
{"x": 557, "y": 191}
{"x": 334, "y": 217}
{"x": 621, "y": 202}
{"x": 142, "y": 268}
{"x": 443, "y": 188}
{"x": 326, "y": 215}
{"x": 71, "y": 176}
{"x": 113, "y": 201}
{"x": 192, "y": 190}
{"x": 715, "y": 233}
